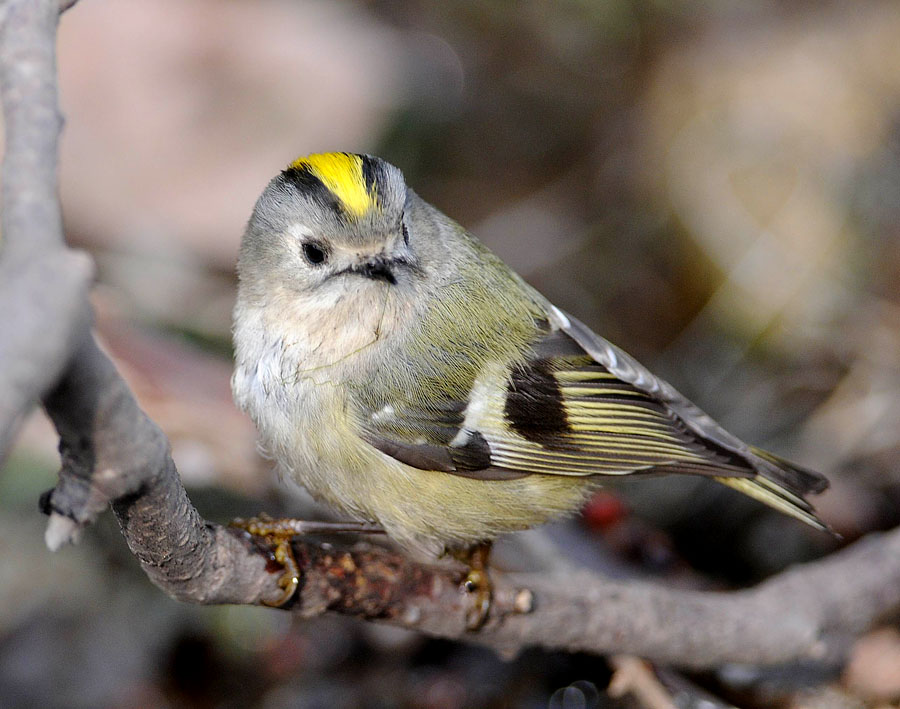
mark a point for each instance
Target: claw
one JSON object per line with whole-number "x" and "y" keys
{"x": 278, "y": 536}
{"x": 477, "y": 584}
{"x": 278, "y": 533}
{"x": 290, "y": 579}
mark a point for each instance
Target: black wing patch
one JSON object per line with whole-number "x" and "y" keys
{"x": 534, "y": 404}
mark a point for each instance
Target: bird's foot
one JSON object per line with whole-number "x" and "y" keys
{"x": 477, "y": 584}
{"x": 278, "y": 533}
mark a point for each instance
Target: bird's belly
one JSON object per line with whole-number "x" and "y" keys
{"x": 436, "y": 511}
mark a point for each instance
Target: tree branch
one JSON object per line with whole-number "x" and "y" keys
{"x": 43, "y": 285}
{"x": 113, "y": 454}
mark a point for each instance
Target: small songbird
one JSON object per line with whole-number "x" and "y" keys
{"x": 406, "y": 376}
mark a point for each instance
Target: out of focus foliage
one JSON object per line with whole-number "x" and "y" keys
{"x": 713, "y": 186}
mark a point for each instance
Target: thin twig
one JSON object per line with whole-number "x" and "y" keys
{"x": 631, "y": 675}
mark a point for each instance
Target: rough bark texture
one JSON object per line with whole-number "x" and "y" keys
{"x": 112, "y": 454}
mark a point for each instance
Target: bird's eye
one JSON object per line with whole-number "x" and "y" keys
{"x": 315, "y": 253}
{"x": 405, "y": 234}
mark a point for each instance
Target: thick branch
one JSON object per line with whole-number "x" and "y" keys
{"x": 43, "y": 285}
{"x": 43, "y": 313}
{"x": 111, "y": 450}
{"x": 31, "y": 217}
{"x": 793, "y": 616}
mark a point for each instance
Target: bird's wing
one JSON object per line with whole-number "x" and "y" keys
{"x": 558, "y": 413}
{"x": 580, "y": 406}
{"x": 775, "y": 481}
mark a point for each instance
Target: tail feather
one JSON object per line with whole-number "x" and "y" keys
{"x": 788, "y": 505}
{"x": 800, "y": 481}
{"x": 781, "y": 485}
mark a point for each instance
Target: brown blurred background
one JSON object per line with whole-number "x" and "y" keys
{"x": 713, "y": 186}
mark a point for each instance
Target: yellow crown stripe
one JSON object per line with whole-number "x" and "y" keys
{"x": 342, "y": 174}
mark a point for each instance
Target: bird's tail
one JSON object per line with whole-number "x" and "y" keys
{"x": 781, "y": 485}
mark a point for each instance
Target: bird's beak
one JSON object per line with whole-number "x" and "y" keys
{"x": 378, "y": 268}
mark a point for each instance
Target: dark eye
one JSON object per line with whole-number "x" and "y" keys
{"x": 405, "y": 234}
{"x": 315, "y": 253}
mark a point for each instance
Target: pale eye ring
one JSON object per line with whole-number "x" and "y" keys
{"x": 315, "y": 253}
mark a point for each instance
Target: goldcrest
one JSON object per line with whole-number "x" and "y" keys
{"x": 406, "y": 376}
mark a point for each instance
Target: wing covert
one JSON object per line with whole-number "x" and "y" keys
{"x": 556, "y": 412}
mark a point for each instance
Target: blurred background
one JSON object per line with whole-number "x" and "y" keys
{"x": 711, "y": 185}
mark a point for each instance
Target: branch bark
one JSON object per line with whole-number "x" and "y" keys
{"x": 43, "y": 285}
{"x": 112, "y": 454}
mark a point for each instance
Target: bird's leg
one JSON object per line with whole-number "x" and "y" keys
{"x": 477, "y": 583}
{"x": 277, "y": 533}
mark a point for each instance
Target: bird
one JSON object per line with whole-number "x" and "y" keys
{"x": 408, "y": 378}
